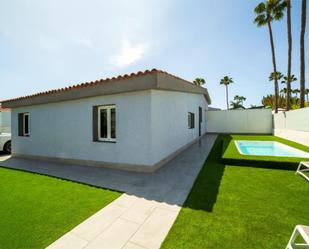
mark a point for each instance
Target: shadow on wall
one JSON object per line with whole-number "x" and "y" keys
{"x": 204, "y": 193}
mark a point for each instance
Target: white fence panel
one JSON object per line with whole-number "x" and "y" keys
{"x": 293, "y": 125}
{"x": 253, "y": 121}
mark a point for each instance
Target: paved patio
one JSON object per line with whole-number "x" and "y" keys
{"x": 140, "y": 218}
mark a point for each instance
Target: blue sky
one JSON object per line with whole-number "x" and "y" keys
{"x": 51, "y": 44}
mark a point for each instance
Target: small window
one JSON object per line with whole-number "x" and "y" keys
{"x": 190, "y": 120}
{"x": 24, "y": 124}
{"x": 106, "y": 118}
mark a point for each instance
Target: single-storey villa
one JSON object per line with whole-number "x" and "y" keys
{"x": 134, "y": 122}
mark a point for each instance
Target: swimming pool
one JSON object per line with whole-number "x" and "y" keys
{"x": 268, "y": 148}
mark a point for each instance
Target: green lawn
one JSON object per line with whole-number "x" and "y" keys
{"x": 36, "y": 210}
{"x": 236, "y": 207}
{"x": 231, "y": 155}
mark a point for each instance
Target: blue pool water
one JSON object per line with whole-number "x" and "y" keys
{"x": 268, "y": 148}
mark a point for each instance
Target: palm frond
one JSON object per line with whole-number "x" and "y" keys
{"x": 272, "y": 76}
{"x": 260, "y": 8}
{"x": 260, "y": 20}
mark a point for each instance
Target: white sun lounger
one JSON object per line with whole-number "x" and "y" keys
{"x": 303, "y": 167}
{"x": 303, "y": 231}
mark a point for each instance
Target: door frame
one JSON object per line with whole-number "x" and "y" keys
{"x": 200, "y": 119}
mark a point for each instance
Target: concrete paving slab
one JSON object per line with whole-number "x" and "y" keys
{"x": 69, "y": 241}
{"x": 98, "y": 222}
{"x": 152, "y": 233}
{"x": 142, "y": 216}
{"x": 139, "y": 211}
{"x": 115, "y": 237}
{"x": 131, "y": 245}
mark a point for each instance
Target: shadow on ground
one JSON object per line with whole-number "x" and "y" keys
{"x": 209, "y": 180}
{"x": 170, "y": 184}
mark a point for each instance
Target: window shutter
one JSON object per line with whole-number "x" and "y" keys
{"x": 95, "y": 123}
{"x": 20, "y": 124}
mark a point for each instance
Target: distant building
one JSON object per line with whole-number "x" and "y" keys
{"x": 213, "y": 108}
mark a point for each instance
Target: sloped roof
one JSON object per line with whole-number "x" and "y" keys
{"x": 149, "y": 79}
{"x": 2, "y": 109}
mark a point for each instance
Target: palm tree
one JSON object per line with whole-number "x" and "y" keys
{"x": 307, "y": 93}
{"x": 302, "y": 54}
{"x": 285, "y": 79}
{"x": 288, "y": 92}
{"x": 266, "y": 13}
{"x": 199, "y": 81}
{"x": 288, "y": 79}
{"x": 296, "y": 92}
{"x": 272, "y": 76}
{"x": 240, "y": 99}
{"x": 226, "y": 80}
{"x": 269, "y": 100}
{"x": 236, "y": 105}
{"x": 284, "y": 91}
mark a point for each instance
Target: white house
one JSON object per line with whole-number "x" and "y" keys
{"x": 134, "y": 122}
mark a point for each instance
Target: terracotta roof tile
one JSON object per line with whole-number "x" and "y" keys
{"x": 93, "y": 83}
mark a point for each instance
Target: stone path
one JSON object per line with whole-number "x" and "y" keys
{"x": 128, "y": 222}
{"x": 140, "y": 218}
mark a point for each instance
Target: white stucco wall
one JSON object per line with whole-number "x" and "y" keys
{"x": 169, "y": 121}
{"x": 64, "y": 130}
{"x": 5, "y": 121}
{"x": 240, "y": 121}
{"x": 150, "y": 125}
{"x": 293, "y": 125}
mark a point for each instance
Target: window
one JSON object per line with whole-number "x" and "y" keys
{"x": 190, "y": 120}
{"x": 104, "y": 123}
{"x": 24, "y": 124}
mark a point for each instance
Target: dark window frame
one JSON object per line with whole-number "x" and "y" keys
{"x": 191, "y": 120}
{"x": 24, "y": 124}
{"x": 111, "y": 134}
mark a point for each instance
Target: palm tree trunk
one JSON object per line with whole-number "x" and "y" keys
{"x": 274, "y": 63}
{"x": 288, "y": 83}
{"x": 227, "y": 97}
{"x": 302, "y": 54}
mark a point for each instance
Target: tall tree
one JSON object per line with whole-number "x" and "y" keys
{"x": 285, "y": 79}
{"x": 286, "y": 91}
{"x": 236, "y": 105}
{"x": 302, "y": 53}
{"x": 226, "y": 80}
{"x": 240, "y": 99}
{"x": 266, "y": 13}
{"x": 288, "y": 80}
{"x": 199, "y": 81}
{"x": 307, "y": 93}
{"x": 269, "y": 100}
{"x": 272, "y": 76}
{"x": 296, "y": 92}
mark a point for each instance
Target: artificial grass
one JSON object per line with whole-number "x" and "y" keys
{"x": 230, "y": 154}
{"x": 239, "y": 207}
{"x": 36, "y": 210}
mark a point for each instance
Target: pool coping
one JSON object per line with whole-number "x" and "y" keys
{"x": 284, "y": 145}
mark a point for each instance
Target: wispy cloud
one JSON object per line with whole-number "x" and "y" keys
{"x": 129, "y": 54}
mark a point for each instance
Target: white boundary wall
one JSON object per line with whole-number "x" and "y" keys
{"x": 293, "y": 125}
{"x": 255, "y": 121}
